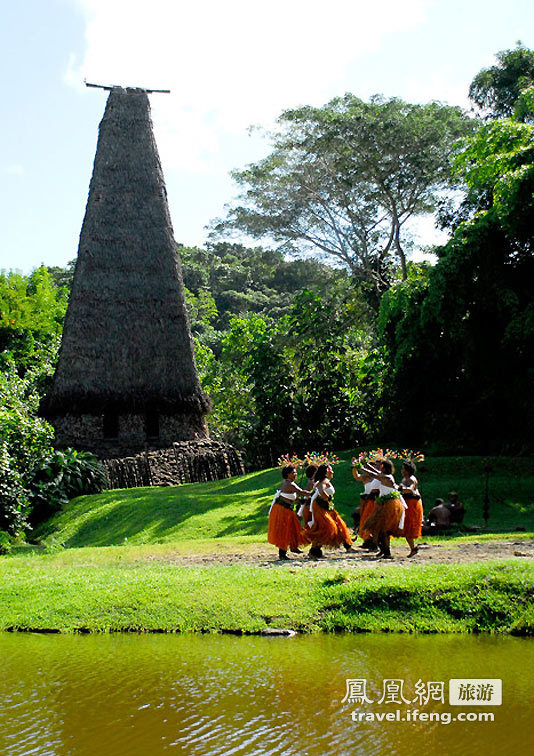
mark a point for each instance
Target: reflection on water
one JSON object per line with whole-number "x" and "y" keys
{"x": 199, "y": 695}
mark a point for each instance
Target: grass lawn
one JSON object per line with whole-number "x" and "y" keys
{"x": 111, "y": 563}
{"x": 123, "y": 589}
{"x": 238, "y": 507}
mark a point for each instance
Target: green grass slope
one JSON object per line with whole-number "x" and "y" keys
{"x": 238, "y": 508}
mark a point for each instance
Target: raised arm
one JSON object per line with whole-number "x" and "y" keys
{"x": 361, "y": 478}
{"x": 387, "y": 480}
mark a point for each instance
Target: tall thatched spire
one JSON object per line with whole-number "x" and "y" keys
{"x": 126, "y": 377}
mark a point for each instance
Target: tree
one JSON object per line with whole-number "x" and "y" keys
{"x": 502, "y": 91}
{"x": 32, "y": 309}
{"x": 344, "y": 179}
{"x": 497, "y": 167}
{"x": 460, "y": 343}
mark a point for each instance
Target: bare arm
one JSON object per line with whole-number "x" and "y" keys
{"x": 383, "y": 478}
{"x": 289, "y": 487}
{"x": 362, "y": 478}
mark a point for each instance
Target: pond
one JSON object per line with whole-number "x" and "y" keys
{"x": 141, "y": 695}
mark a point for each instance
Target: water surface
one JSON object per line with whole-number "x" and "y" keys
{"x": 143, "y": 695}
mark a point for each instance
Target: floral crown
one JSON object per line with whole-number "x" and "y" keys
{"x": 309, "y": 458}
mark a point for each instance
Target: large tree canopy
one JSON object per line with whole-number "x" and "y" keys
{"x": 460, "y": 342}
{"x": 506, "y": 89}
{"x": 343, "y": 180}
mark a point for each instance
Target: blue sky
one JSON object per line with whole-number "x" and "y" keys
{"x": 229, "y": 65}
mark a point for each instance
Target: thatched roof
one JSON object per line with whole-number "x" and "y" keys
{"x": 126, "y": 341}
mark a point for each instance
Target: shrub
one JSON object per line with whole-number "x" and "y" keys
{"x": 60, "y": 476}
{"x": 5, "y": 543}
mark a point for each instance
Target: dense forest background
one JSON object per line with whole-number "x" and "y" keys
{"x": 326, "y": 334}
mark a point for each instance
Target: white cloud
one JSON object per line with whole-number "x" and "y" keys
{"x": 230, "y": 64}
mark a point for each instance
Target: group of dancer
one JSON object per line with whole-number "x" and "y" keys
{"x": 386, "y": 510}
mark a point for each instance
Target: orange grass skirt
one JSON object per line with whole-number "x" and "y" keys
{"x": 386, "y": 517}
{"x": 413, "y": 519}
{"x": 284, "y": 529}
{"x": 329, "y": 529}
{"x": 367, "y": 507}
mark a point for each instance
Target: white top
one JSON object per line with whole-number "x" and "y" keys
{"x": 287, "y": 494}
{"x": 411, "y": 480}
{"x": 290, "y": 496}
{"x": 329, "y": 491}
{"x": 371, "y": 486}
{"x": 383, "y": 489}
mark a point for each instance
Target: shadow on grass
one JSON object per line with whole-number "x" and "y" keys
{"x": 237, "y": 506}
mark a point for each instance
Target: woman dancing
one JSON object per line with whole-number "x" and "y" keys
{"x": 388, "y": 516}
{"x": 413, "y": 520}
{"x": 326, "y": 527}
{"x": 305, "y": 508}
{"x": 367, "y": 503}
{"x": 284, "y": 529}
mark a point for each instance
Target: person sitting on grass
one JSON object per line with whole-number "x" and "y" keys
{"x": 284, "y": 530}
{"x": 456, "y": 508}
{"x": 439, "y": 518}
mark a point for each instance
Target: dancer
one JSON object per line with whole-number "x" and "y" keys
{"x": 326, "y": 527}
{"x": 388, "y": 516}
{"x": 367, "y": 503}
{"x": 305, "y": 511}
{"x": 413, "y": 521}
{"x": 284, "y": 529}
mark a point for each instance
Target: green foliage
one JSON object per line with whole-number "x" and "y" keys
{"x": 32, "y": 309}
{"x": 460, "y": 344}
{"x": 5, "y": 543}
{"x": 226, "y": 280}
{"x": 498, "y": 165}
{"x": 14, "y": 503}
{"x": 501, "y": 90}
{"x": 60, "y": 476}
{"x": 25, "y": 439}
{"x": 295, "y": 382}
{"x": 343, "y": 180}
{"x": 35, "y": 480}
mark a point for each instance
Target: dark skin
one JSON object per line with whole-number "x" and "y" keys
{"x": 409, "y": 486}
{"x": 289, "y": 485}
{"x": 324, "y": 484}
{"x": 386, "y": 479}
{"x": 380, "y": 474}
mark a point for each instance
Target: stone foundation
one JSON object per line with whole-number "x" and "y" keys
{"x": 183, "y": 462}
{"x": 86, "y": 432}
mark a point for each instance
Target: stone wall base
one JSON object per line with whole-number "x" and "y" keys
{"x": 87, "y": 432}
{"x": 183, "y": 462}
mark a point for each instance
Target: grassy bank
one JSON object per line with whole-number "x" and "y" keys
{"x": 113, "y": 562}
{"x": 238, "y": 508}
{"x": 107, "y": 590}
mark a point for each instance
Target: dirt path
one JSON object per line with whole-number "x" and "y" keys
{"x": 260, "y": 555}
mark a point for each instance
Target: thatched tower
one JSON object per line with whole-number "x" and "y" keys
{"x": 126, "y": 378}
